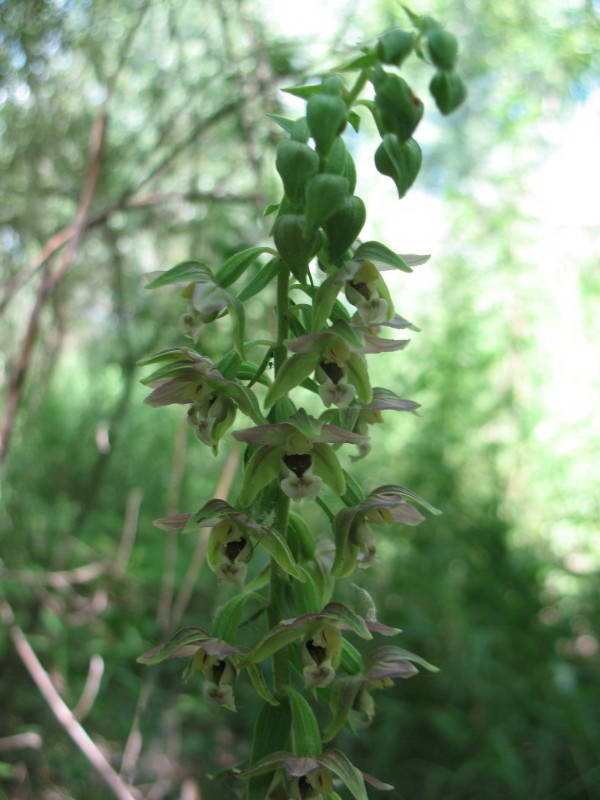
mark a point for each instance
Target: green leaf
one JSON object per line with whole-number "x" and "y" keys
{"x": 361, "y": 62}
{"x": 186, "y": 637}
{"x": 277, "y": 547}
{"x": 185, "y": 272}
{"x": 279, "y": 636}
{"x": 354, "y": 494}
{"x": 375, "y": 251}
{"x": 352, "y": 660}
{"x": 261, "y": 469}
{"x": 263, "y": 277}
{"x": 345, "y": 770}
{"x": 271, "y": 208}
{"x": 304, "y": 91}
{"x": 238, "y": 315}
{"x": 237, "y": 264}
{"x": 346, "y": 691}
{"x": 291, "y": 374}
{"x": 247, "y": 371}
{"x": 349, "y": 619}
{"x": 229, "y": 617}
{"x": 297, "y": 128}
{"x": 327, "y": 467}
{"x": 228, "y": 366}
{"x": 258, "y": 681}
{"x": 305, "y": 734}
{"x": 302, "y": 541}
{"x": 358, "y": 376}
{"x": 306, "y": 596}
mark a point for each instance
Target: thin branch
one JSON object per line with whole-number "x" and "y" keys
{"x": 58, "y": 579}
{"x": 30, "y": 740}
{"x": 91, "y": 688}
{"x": 129, "y": 532}
{"x": 125, "y": 203}
{"x": 133, "y": 746}
{"x": 60, "y": 709}
{"x": 189, "y": 580}
{"x": 49, "y": 283}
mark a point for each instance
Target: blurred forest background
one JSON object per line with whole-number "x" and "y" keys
{"x": 134, "y": 135}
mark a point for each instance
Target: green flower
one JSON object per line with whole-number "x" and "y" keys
{"x": 354, "y": 538}
{"x": 215, "y": 659}
{"x": 307, "y": 778}
{"x": 187, "y": 378}
{"x": 298, "y": 452}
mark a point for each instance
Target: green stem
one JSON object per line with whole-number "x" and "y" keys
{"x": 275, "y": 612}
{"x": 359, "y": 85}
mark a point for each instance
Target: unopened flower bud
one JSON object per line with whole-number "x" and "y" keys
{"x": 442, "y": 47}
{"x": 399, "y": 108}
{"x": 326, "y": 118}
{"x": 296, "y": 163}
{"x": 448, "y": 91}
{"x": 394, "y": 46}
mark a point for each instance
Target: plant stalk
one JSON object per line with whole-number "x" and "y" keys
{"x": 280, "y": 659}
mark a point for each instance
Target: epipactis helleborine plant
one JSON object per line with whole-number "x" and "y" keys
{"x": 305, "y": 662}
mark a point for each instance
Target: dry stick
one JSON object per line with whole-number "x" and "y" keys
{"x": 60, "y": 709}
{"x": 20, "y": 741}
{"x": 125, "y": 203}
{"x": 129, "y": 532}
{"x": 49, "y": 283}
{"x": 189, "y": 580}
{"x": 91, "y": 688}
{"x": 53, "y": 278}
{"x": 133, "y": 746}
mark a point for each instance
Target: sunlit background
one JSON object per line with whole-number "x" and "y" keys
{"x": 502, "y": 590}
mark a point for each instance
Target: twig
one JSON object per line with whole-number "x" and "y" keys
{"x": 189, "y": 580}
{"x": 58, "y": 579}
{"x": 20, "y": 741}
{"x": 133, "y": 746}
{"x": 125, "y": 203}
{"x": 91, "y": 688}
{"x": 129, "y": 532}
{"x": 60, "y": 709}
{"x": 49, "y": 283}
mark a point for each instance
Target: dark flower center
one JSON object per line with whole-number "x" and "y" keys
{"x": 298, "y": 462}
{"x": 363, "y": 289}
{"x": 318, "y": 653}
{"x": 233, "y": 549}
{"x": 333, "y": 371}
{"x": 218, "y": 670}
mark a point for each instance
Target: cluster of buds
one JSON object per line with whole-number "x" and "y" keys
{"x": 291, "y": 455}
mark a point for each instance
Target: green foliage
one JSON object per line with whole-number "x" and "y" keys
{"x": 486, "y": 591}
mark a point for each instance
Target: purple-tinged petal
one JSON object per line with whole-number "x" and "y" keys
{"x": 219, "y": 648}
{"x": 331, "y": 434}
{"x": 407, "y": 514}
{"x": 174, "y": 522}
{"x": 309, "y": 343}
{"x": 385, "y": 630}
{"x": 272, "y": 435}
{"x": 385, "y": 787}
{"x": 297, "y": 767}
{"x": 386, "y": 400}
{"x": 393, "y": 669}
{"x": 179, "y": 390}
{"x": 375, "y": 344}
{"x": 399, "y": 323}
{"x": 388, "y": 657}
